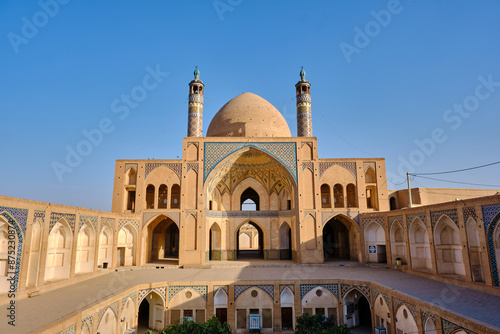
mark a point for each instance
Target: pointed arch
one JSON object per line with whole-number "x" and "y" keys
{"x": 475, "y": 251}
{"x": 131, "y": 177}
{"x": 381, "y": 312}
{"x": 108, "y": 322}
{"x": 448, "y": 247}
{"x": 257, "y": 236}
{"x": 398, "y": 242}
{"x": 406, "y": 322}
{"x": 126, "y": 244}
{"x": 285, "y": 238}
{"x": 375, "y": 243}
{"x": 85, "y": 246}
{"x": 420, "y": 250}
{"x": 341, "y": 235}
{"x": 105, "y": 245}
{"x": 357, "y": 309}
{"x": 34, "y": 255}
{"x": 60, "y": 243}
{"x": 215, "y": 242}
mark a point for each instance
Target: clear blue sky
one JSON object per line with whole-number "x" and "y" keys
{"x": 374, "y": 92}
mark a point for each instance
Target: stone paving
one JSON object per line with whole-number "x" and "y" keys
{"x": 51, "y": 307}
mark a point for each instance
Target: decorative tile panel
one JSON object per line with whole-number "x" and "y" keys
{"x": 174, "y": 166}
{"x": 69, "y": 330}
{"x": 308, "y": 164}
{"x": 40, "y": 215}
{"x": 92, "y": 219}
{"x": 130, "y": 165}
{"x": 133, "y": 222}
{"x": 305, "y": 288}
{"x": 20, "y": 215}
{"x": 225, "y": 288}
{"x": 384, "y": 295}
{"x": 491, "y": 219}
{"x": 286, "y": 153}
{"x": 132, "y": 296}
{"x": 350, "y": 166}
{"x": 290, "y": 286}
{"x": 391, "y": 220}
{"x": 201, "y": 289}
{"x": 55, "y": 216}
{"x": 396, "y": 303}
{"x": 426, "y": 314}
{"x": 247, "y": 214}
{"x": 489, "y": 211}
{"x": 345, "y": 288}
{"x": 369, "y": 164}
{"x": 239, "y": 289}
{"x": 113, "y": 307}
{"x": 368, "y": 220}
{"x": 449, "y": 327}
{"x": 162, "y": 291}
{"x": 20, "y": 240}
{"x": 469, "y": 212}
{"x": 88, "y": 321}
{"x": 452, "y": 214}
{"x": 193, "y": 166}
{"x": 411, "y": 217}
{"x": 110, "y": 221}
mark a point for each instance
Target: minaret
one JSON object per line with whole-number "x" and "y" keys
{"x": 304, "y": 120}
{"x": 195, "y": 110}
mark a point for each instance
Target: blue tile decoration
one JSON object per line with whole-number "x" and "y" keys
{"x": 368, "y": 164}
{"x": 350, "y": 166}
{"x": 491, "y": 217}
{"x": 193, "y": 166}
{"x": 308, "y": 164}
{"x": 89, "y": 321}
{"x": 424, "y": 315}
{"x": 239, "y": 289}
{"x": 248, "y": 214}
{"x": 133, "y": 222}
{"x": 396, "y": 303}
{"x": 113, "y": 307}
{"x": 55, "y": 216}
{"x": 411, "y": 217}
{"x": 398, "y": 219}
{"x": 489, "y": 211}
{"x": 20, "y": 241}
{"x": 345, "y": 288}
{"x": 132, "y": 296}
{"x": 452, "y": 214}
{"x": 162, "y": 291}
{"x": 174, "y": 166}
{"x": 91, "y": 219}
{"x": 40, "y": 215}
{"x": 201, "y": 289}
{"x": 223, "y": 287}
{"x": 110, "y": 221}
{"x": 449, "y": 327}
{"x": 69, "y": 330}
{"x": 290, "y": 286}
{"x": 305, "y": 288}
{"x": 469, "y": 212}
{"x": 384, "y": 295}
{"x": 146, "y": 217}
{"x": 286, "y": 153}
{"x": 20, "y": 215}
{"x": 368, "y": 220}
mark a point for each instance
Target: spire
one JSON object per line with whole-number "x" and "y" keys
{"x": 195, "y": 108}
{"x": 304, "y": 119}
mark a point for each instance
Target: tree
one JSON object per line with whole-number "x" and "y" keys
{"x": 319, "y": 324}
{"x": 211, "y": 326}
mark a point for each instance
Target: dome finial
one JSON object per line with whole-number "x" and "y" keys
{"x": 302, "y": 73}
{"x": 196, "y": 73}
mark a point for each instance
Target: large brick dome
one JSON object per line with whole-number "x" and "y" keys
{"x": 248, "y": 115}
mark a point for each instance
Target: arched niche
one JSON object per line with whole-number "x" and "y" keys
{"x": 406, "y": 322}
{"x": 85, "y": 249}
{"x": 449, "y": 258}
{"x": 127, "y": 243}
{"x": 398, "y": 243}
{"x": 420, "y": 251}
{"x": 59, "y": 246}
{"x": 375, "y": 243}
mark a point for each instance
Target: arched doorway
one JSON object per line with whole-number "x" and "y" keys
{"x": 151, "y": 313}
{"x": 375, "y": 243}
{"x": 335, "y": 240}
{"x": 357, "y": 312}
{"x": 285, "y": 242}
{"x": 250, "y": 200}
{"x": 165, "y": 241}
{"x": 250, "y": 242}
{"x": 215, "y": 240}
{"x": 448, "y": 248}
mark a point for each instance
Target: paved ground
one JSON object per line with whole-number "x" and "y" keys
{"x": 32, "y": 313}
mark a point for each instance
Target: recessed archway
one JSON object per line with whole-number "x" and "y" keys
{"x": 448, "y": 249}
{"x": 357, "y": 311}
{"x": 249, "y": 241}
{"x": 151, "y": 313}
{"x": 163, "y": 240}
{"x": 215, "y": 241}
{"x": 340, "y": 237}
{"x": 285, "y": 235}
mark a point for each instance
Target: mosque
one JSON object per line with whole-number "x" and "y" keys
{"x": 252, "y": 227}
